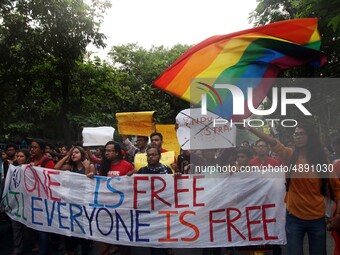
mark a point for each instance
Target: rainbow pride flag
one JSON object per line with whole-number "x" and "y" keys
{"x": 245, "y": 58}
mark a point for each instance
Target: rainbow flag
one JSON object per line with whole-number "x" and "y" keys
{"x": 245, "y": 58}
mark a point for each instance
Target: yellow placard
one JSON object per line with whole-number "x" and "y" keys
{"x": 136, "y": 123}
{"x": 166, "y": 159}
{"x": 170, "y": 141}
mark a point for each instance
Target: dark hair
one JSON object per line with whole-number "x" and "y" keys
{"x": 26, "y": 153}
{"x": 106, "y": 164}
{"x": 158, "y": 149}
{"x": 82, "y": 153}
{"x": 101, "y": 149}
{"x": 66, "y": 147}
{"x": 157, "y": 133}
{"x": 50, "y": 145}
{"x": 146, "y": 138}
{"x": 260, "y": 140}
{"x": 314, "y": 148}
{"x": 245, "y": 151}
{"x": 11, "y": 145}
{"x": 40, "y": 142}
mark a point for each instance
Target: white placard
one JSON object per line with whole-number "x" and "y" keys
{"x": 197, "y": 131}
{"x": 97, "y": 136}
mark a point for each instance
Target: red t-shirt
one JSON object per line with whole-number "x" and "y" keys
{"x": 119, "y": 169}
{"x": 46, "y": 161}
{"x": 269, "y": 161}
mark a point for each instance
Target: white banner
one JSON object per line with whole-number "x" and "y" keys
{"x": 150, "y": 210}
{"x": 196, "y": 131}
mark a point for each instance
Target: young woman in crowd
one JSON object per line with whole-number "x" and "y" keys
{"x": 75, "y": 161}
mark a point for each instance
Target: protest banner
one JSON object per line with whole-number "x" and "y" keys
{"x": 149, "y": 210}
{"x": 167, "y": 159}
{"x": 136, "y": 123}
{"x": 170, "y": 141}
{"x": 199, "y": 132}
{"x": 97, "y": 136}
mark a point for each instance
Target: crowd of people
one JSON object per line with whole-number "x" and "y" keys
{"x": 304, "y": 197}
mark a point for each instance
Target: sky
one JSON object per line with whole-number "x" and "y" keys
{"x": 160, "y": 22}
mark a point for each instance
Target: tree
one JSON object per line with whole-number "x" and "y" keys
{"x": 324, "y": 106}
{"x": 45, "y": 36}
{"x": 142, "y": 67}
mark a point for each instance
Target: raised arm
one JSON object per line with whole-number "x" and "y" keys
{"x": 267, "y": 138}
{"x": 63, "y": 163}
{"x": 89, "y": 168}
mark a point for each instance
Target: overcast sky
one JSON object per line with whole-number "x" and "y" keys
{"x": 157, "y": 22}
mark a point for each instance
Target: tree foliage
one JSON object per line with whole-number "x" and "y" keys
{"x": 324, "y": 106}
{"x": 142, "y": 68}
{"x": 50, "y": 88}
{"x": 40, "y": 44}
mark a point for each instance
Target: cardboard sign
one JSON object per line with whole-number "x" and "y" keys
{"x": 170, "y": 141}
{"x": 197, "y": 131}
{"x": 136, "y": 123}
{"x": 166, "y": 159}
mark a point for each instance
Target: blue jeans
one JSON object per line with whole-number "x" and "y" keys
{"x": 297, "y": 228}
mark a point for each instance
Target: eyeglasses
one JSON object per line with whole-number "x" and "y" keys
{"x": 299, "y": 134}
{"x": 110, "y": 151}
{"x": 152, "y": 155}
{"x": 34, "y": 147}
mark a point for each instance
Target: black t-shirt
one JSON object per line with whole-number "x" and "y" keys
{"x": 160, "y": 169}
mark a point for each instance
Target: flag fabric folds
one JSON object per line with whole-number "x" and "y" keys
{"x": 259, "y": 53}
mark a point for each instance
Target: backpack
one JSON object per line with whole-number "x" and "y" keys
{"x": 45, "y": 161}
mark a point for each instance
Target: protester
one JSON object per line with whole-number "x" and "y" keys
{"x": 262, "y": 155}
{"x": 39, "y": 158}
{"x": 243, "y": 157}
{"x": 305, "y": 191}
{"x": 113, "y": 165}
{"x": 155, "y": 167}
{"x": 157, "y": 142}
{"x": 11, "y": 157}
{"x": 183, "y": 162}
{"x": 76, "y": 161}
{"x": 22, "y": 157}
{"x": 139, "y": 148}
{"x": 64, "y": 149}
{"x": 262, "y": 159}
